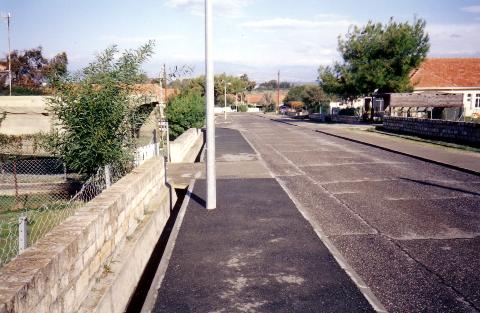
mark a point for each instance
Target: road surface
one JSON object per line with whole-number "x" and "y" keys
{"x": 410, "y": 229}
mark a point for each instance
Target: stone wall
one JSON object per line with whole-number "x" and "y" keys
{"x": 458, "y": 132}
{"x": 186, "y": 147}
{"x": 345, "y": 119}
{"x": 93, "y": 260}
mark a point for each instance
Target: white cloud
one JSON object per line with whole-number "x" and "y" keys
{"x": 229, "y": 8}
{"x": 295, "y": 23}
{"x": 472, "y": 9}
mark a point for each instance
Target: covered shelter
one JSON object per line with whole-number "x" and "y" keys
{"x": 432, "y": 105}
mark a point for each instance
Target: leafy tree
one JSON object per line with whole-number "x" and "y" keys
{"x": 273, "y": 84}
{"x": 249, "y": 84}
{"x": 235, "y": 85}
{"x": 94, "y": 110}
{"x": 376, "y": 56}
{"x": 313, "y": 97}
{"x": 30, "y": 69}
{"x": 185, "y": 111}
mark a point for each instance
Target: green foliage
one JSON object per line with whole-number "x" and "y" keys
{"x": 272, "y": 84}
{"x": 185, "y": 111}
{"x": 243, "y": 108}
{"x": 312, "y": 96}
{"x": 235, "y": 85}
{"x": 94, "y": 111}
{"x": 376, "y": 56}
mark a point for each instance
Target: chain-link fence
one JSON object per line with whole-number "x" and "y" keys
{"x": 36, "y": 194}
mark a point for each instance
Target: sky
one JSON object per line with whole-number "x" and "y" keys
{"x": 256, "y": 37}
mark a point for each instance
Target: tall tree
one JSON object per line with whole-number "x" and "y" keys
{"x": 310, "y": 95}
{"x": 376, "y": 56}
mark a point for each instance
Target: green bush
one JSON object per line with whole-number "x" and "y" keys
{"x": 185, "y": 111}
{"x": 95, "y": 111}
{"x": 242, "y": 108}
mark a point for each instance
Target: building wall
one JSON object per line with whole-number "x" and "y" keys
{"x": 457, "y": 132}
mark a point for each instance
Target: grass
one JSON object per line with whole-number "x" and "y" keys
{"x": 43, "y": 211}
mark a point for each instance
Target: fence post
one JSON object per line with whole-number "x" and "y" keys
{"x": 22, "y": 233}
{"x": 108, "y": 181}
{"x": 155, "y": 140}
{"x": 65, "y": 171}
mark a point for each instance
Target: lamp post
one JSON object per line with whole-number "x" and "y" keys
{"x": 209, "y": 93}
{"x": 225, "y": 106}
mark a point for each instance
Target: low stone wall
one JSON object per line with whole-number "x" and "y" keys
{"x": 459, "y": 132}
{"x": 186, "y": 147}
{"x": 105, "y": 243}
{"x": 344, "y": 119}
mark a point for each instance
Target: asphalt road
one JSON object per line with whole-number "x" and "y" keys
{"x": 410, "y": 229}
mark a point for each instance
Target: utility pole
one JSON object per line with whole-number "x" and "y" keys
{"x": 278, "y": 91}
{"x": 165, "y": 82}
{"x": 211, "y": 173}
{"x": 8, "y": 17}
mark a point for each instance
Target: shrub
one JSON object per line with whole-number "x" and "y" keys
{"x": 94, "y": 111}
{"x": 242, "y": 108}
{"x": 185, "y": 111}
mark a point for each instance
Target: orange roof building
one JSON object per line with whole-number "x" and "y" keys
{"x": 451, "y": 75}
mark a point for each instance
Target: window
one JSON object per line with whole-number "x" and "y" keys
{"x": 477, "y": 100}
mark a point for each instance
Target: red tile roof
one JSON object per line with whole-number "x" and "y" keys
{"x": 444, "y": 73}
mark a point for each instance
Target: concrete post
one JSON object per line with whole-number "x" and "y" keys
{"x": 22, "y": 233}
{"x": 108, "y": 181}
{"x": 211, "y": 173}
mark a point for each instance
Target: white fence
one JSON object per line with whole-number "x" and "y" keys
{"x": 145, "y": 153}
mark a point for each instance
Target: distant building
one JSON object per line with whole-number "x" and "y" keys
{"x": 451, "y": 75}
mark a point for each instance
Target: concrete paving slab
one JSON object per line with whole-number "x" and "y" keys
{"x": 448, "y": 261}
{"x": 334, "y": 218}
{"x": 401, "y": 283}
{"x": 469, "y": 161}
{"x": 439, "y": 206}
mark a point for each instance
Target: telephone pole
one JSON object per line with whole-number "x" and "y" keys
{"x": 278, "y": 91}
{"x": 165, "y": 82}
{"x": 8, "y": 17}
{"x": 211, "y": 173}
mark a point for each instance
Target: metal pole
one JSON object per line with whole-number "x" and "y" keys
{"x": 225, "y": 106}
{"x": 278, "y": 92}
{"x": 9, "y": 55}
{"x": 211, "y": 175}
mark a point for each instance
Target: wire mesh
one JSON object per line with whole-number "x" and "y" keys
{"x": 41, "y": 190}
